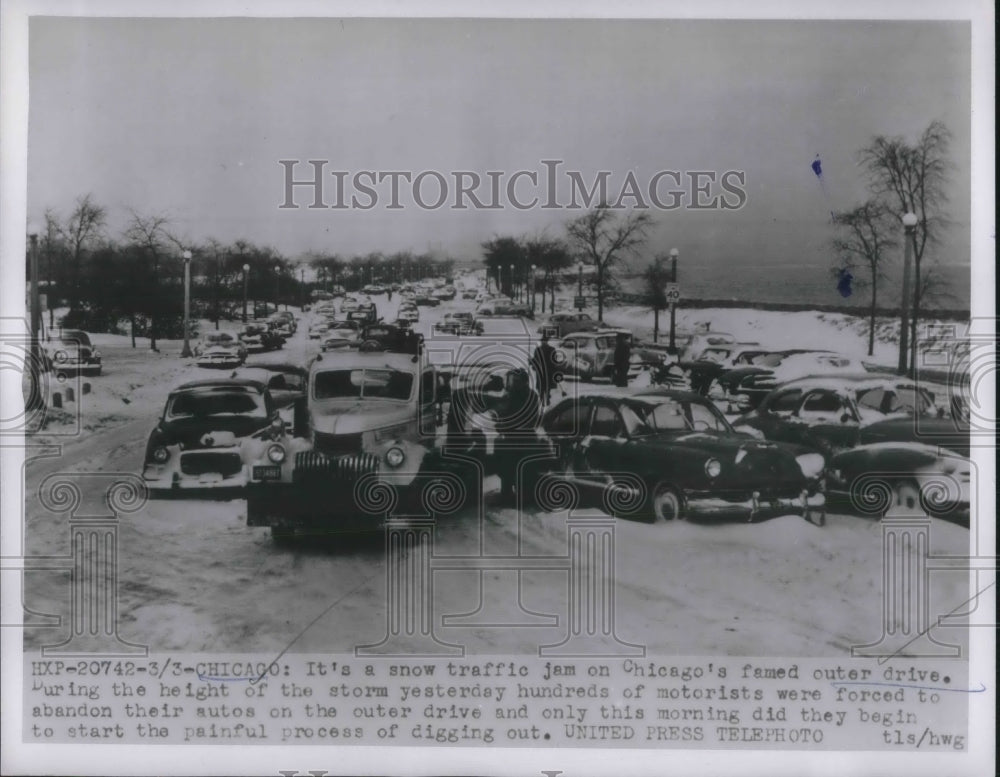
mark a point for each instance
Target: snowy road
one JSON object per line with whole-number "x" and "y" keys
{"x": 193, "y": 576}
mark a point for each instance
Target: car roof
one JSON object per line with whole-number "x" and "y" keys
{"x": 353, "y": 360}
{"x": 274, "y": 367}
{"x": 221, "y": 383}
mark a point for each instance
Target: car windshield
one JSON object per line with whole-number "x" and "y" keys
{"x": 74, "y": 338}
{"x": 215, "y": 401}
{"x": 675, "y": 416}
{"x": 766, "y": 359}
{"x": 220, "y": 338}
{"x": 363, "y": 383}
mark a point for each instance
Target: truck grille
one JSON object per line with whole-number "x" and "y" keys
{"x": 312, "y": 465}
{"x": 201, "y": 463}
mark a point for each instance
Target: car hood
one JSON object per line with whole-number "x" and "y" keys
{"x": 213, "y": 431}
{"x": 350, "y": 416}
{"x": 714, "y": 444}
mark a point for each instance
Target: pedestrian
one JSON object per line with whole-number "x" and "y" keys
{"x": 543, "y": 362}
{"x": 518, "y": 412}
{"x": 623, "y": 355}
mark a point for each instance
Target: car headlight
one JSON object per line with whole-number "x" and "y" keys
{"x": 160, "y": 455}
{"x": 394, "y": 457}
{"x": 713, "y": 467}
{"x": 811, "y": 464}
{"x": 276, "y": 453}
{"x": 61, "y": 356}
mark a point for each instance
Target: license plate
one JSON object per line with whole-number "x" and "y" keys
{"x": 266, "y": 472}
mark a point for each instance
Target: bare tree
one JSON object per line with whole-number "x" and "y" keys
{"x": 149, "y": 235}
{"x": 605, "y": 238}
{"x": 912, "y": 179}
{"x": 53, "y": 247}
{"x": 865, "y": 240}
{"x": 85, "y": 225}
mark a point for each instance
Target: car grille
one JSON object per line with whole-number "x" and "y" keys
{"x": 313, "y": 466}
{"x": 201, "y": 463}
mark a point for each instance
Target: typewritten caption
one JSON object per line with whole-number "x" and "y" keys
{"x": 502, "y": 701}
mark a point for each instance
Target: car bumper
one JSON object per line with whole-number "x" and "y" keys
{"x": 330, "y": 508}
{"x": 758, "y": 506}
{"x": 210, "y": 484}
{"x": 220, "y": 364}
{"x": 77, "y": 368}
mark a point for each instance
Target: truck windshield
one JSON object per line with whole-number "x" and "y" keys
{"x": 371, "y": 384}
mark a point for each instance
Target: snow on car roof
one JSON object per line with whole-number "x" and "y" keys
{"x": 351, "y": 360}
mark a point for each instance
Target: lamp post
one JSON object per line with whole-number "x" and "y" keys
{"x": 302, "y": 287}
{"x": 674, "y": 253}
{"x": 246, "y": 279}
{"x": 36, "y": 312}
{"x": 579, "y": 285}
{"x": 510, "y": 281}
{"x": 277, "y": 288}
{"x": 532, "y": 291}
{"x": 909, "y": 223}
{"x": 186, "y": 350}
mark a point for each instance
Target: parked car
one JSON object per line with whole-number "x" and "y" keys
{"x": 342, "y": 334}
{"x": 757, "y": 385}
{"x": 365, "y": 314}
{"x": 201, "y": 440}
{"x": 460, "y": 323}
{"x": 426, "y": 299}
{"x": 388, "y": 337}
{"x": 220, "y": 350}
{"x": 445, "y": 294}
{"x": 587, "y": 355}
{"x": 562, "y": 324}
{"x": 666, "y": 455}
{"x": 699, "y": 341}
{"x": 257, "y": 338}
{"x": 318, "y": 328}
{"x": 409, "y": 313}
{"x": 283, "y": 322}
{"x": 907, "y": 477}
{"x": 72, "y": 353}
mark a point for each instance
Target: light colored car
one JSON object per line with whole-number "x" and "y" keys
{"x": 220, "y": 350}
{"x": 408, "y": 313}
{"x": 342, "y": 334}
{"x": 566, "y": 323}
{"x": 72, "y": 353}
{"x": 318, "y": 328}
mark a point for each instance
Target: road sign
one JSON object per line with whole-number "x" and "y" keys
{"x": 580, "y": 302}
{"x": 673, "y": 293}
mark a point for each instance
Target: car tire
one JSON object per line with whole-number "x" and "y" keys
{"x": 665, "y": 503}
{"x": 906, "y": 496}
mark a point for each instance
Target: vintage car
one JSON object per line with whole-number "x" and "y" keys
{"x": 341, "y": 335}
{"x": 283, "y": 322}
{"x": 444, "y": 294}
{"x": 735, "y": 381}
{"x": 907, "y": 478}
{"x": 469, "y": 294}
{"x": 318, "y": 328}
{"x": 426, "y": 298}
{"x": 879, "y": 397}
{"x": 590, "y": 355}
{"x": 364, "y": 314}
{"x": 667, "y": 455}
{"x": 204, "y": 436}
{"x": 220, "y": 350}
{"x": 461, "y": 323}
{"x": 408, "y": 312}
{"x": 387, "y": 337}
{"x": 714, "y": 360}
{"x": 759, "y": 383}
{"x": 257, "y": 338}
{"x": 348, "y": 304}
{"x": 284, "y": 381}
{"x": 699, "y": 341}
{"x": 562, "y": 324}
{"x": 72, "y": 353}
{"x": 366, "y": 445}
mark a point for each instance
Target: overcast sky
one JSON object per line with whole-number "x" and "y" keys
{"x": 190, "y": 117}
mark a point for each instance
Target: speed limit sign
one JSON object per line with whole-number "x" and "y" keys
{"x": 673, "y": 293}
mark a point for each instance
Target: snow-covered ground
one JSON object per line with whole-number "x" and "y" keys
{"x": 193, "y": 576}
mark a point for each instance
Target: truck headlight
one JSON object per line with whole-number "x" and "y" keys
{"x": 811, "y": 464}
{"x": 160, "y": 455}
{"x": 713, "y": 467}
{"x": 394, "y": 457}
{"x": 276, "y": 453}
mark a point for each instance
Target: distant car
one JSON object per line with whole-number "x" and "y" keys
{"x": 349, "y": 304}
{"x": 793, "y": 367}
{"x": 562, "y": 324}
{"x": 387, "y": 337}
{"x": 445, "y": 294}
{"x": 317, "y": 329}
{"x": 427, "y": 299}
{"x": 72, "y": 353}
{"x": 283, "y": 322}
{"x": 342, "y": 334}
{"x": 408, "y": 313}
{"x": 587, "y": 355}
{"x": 365, "y": 314}
{"x": 220, "y": 350}
{"x": 469, "y": 294}
{"x": 699, "y": 341}
{"x": 460, "y": 323}
{"x": 199, "y": 442}
{"x": 667, "y": 455}
{"x": 257, "y": 338}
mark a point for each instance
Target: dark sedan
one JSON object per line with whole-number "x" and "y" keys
{"x": 666, "y": 454}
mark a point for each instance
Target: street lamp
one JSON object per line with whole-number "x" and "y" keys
{"x": 531, "y": 291}
{"x": 909, "y": 224}
{"x": 36, "y": 311}
{"x": 302, "y": 287}
{"x": 674, "y": 253}
{"x": 277, "y": 288}
{"x": 579, "y": 285}
{"x": 510, "y": 282}
{"x": 186, "y": 350}
{"x": 246, "y": 279}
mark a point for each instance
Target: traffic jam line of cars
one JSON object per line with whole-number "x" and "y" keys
{"x": 727, "y": 429}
